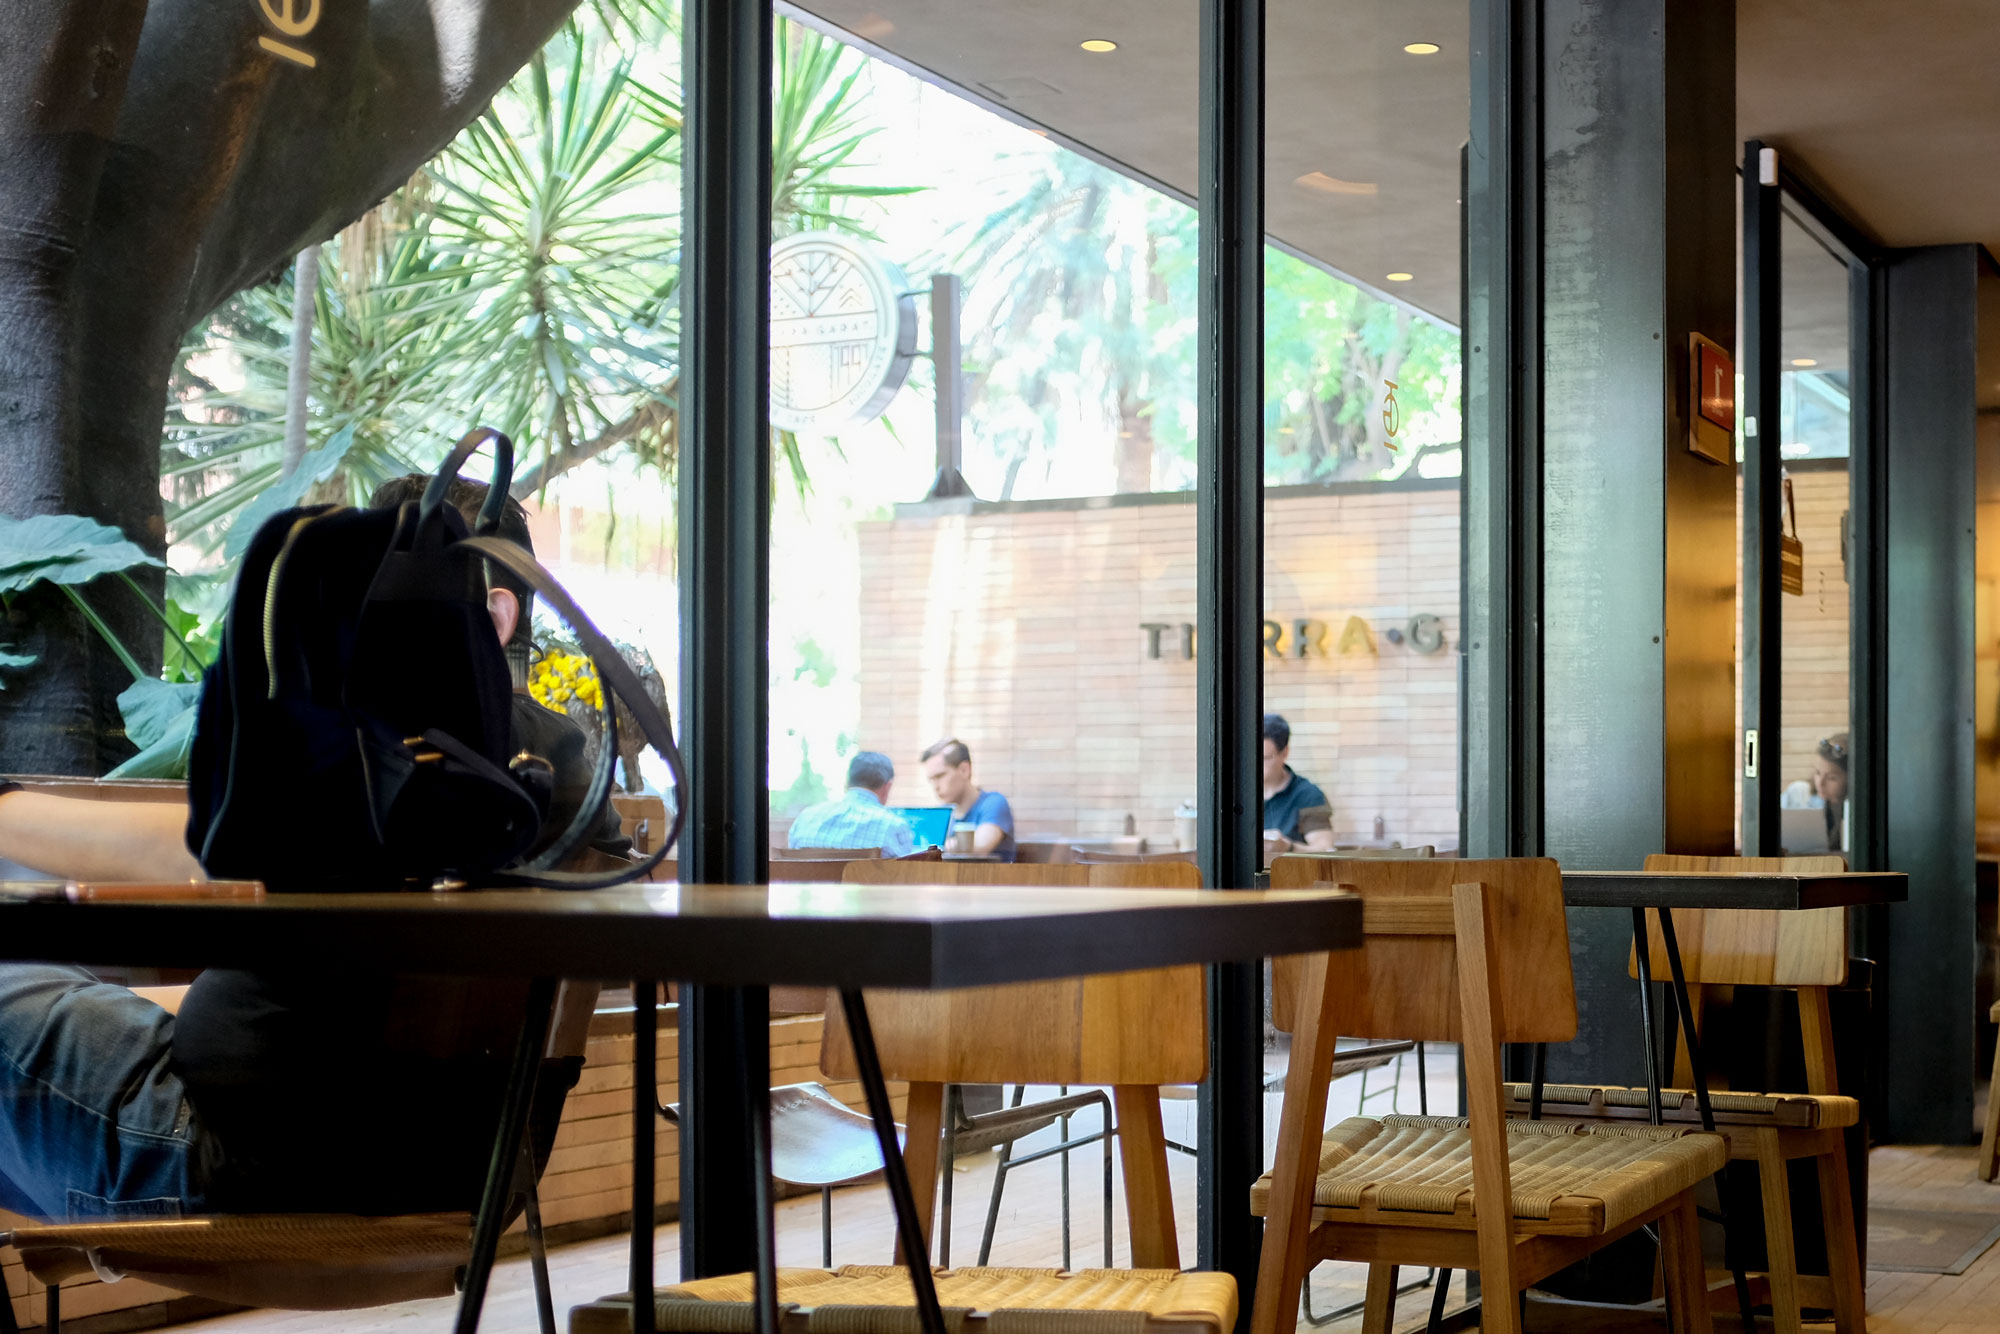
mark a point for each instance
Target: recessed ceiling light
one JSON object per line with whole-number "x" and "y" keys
{"x": 1321, "y": 183}
{"x": 1805, "y": 361}
{"x": 1399, "y": 277}
{"x": 1422, "y": 48}
{"x": 1098, "y": 45}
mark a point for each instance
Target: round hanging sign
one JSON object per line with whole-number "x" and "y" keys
{"x": 843, "y": 332}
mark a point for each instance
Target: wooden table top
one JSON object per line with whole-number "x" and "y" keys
{"x": 1736, "y": 889}
{"x": 829, "y": 935}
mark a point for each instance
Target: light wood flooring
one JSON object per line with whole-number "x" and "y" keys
{"x": 1029, "y": 1233}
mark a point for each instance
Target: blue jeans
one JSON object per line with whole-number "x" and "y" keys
{"x": 93, "y": 1123}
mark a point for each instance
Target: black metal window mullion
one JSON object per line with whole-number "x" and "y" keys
{"x": 725, "y": 490}
{"x": 1230, "y": 557}
{"x": 1763, "y": 622}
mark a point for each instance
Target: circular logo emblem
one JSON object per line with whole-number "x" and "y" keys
{"x": 843, "y": 332}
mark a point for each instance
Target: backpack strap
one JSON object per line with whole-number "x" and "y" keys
{"x": 620, "y": 682}
{"x": 435, "y": 494}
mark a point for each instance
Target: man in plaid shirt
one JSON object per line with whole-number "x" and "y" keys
{"x": 860, "y": 819}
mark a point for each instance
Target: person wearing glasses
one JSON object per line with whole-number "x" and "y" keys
{"x": 1827, "y": 789}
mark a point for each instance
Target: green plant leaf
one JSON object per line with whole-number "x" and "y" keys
{"x": 317, "y": 466}
{"x": 152, "y": 709}
{"x": 14, "y": 662}
{"x": 62, "y": 549}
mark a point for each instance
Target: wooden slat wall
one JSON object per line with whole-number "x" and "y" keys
{"x": 586, "y": 1187}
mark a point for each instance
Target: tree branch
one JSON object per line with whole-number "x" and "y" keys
{"x": 653, "y": 415}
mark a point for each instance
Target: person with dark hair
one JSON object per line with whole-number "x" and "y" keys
{"x": 985, "y": 816}
{"x": 285, "y": 1091}
{"x": 1296, "y": 812}
{"x": 859, "y": 818}
{"x": 1827, "y": 788}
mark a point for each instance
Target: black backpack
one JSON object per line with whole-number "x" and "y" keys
{"x": 355, "y": 731}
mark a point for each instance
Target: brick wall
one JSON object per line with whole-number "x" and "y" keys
{"x": 1018, "y": 630}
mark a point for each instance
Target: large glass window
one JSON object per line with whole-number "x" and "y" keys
{"x": 1814, "y": 391}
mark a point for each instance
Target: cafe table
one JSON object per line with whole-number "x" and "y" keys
{"x": 1663, "y": 891}
{"x": 842, "y": 937}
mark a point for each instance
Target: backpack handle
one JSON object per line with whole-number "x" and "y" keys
{"x": 496, "y": 494}
{"x": 620, "y": 683}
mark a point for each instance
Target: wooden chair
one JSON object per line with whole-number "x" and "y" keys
{"x": 1134, "y": 1031}
{"x": 1474, "y": 952}
{"x": 333, "y": 1262}
{"x": 1989, "y": 1140}
{"x": 1095, "y": 857}
{"x": 1806, "y": 951}
{"x": 828, "y": 870}
{"x": 642, "y": 817}
{"x": 824, "y": 854}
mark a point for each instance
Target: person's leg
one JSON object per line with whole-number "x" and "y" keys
{"x": 92, "y": 1120}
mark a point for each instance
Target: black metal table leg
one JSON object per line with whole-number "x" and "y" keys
{"x": 500, "y": 1168}
{"x": 1643, "y": 953}
{"x": 915, "y": 1248}
{"x": 1698, "y": 1072}
{"x": 645, "y": 1106}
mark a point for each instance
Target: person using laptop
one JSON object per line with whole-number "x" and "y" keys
{"x": 1296, "y": 813}
{"x": 984, "y": 815}
{"x": 860, "y": 817}
{"x": 1826, "y": 790}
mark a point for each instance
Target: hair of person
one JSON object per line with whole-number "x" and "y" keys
{"x": 953, "y": 750}
{"x": 870, "y": 769}
{"x": 1277, "y": 731}
{"x": 1834, "y": 748}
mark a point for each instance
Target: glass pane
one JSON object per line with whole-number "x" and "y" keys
{"x": 1363, "y": 459}
{"x": 984, "y": 567}
{"x": 1363, "y": 449}
{"x": 1813, "y": 415}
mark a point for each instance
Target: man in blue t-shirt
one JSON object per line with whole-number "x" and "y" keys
{"x": 1296, "y": 812}
{"x": 948, "y": 765}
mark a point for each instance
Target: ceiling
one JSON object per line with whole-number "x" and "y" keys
{"x": 1891, "y": 106}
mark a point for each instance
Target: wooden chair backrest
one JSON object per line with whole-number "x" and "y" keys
{"x": 642, "y": 817}
{"x": 824, "y": 854}
{"x": 1087, "y": 857}
{"x": 1040, "y": 852}
{"x": 1127, "y": 1028}
{"x": 1754, "y": 947}
{"x": 1403, "y": 982}
{"x": 829, "y": 870}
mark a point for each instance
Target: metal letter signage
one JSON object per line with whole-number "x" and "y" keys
{"x": 1306, "y": 637}
{"x": 843, "y": 332}
{"x": 1392, "y": 417}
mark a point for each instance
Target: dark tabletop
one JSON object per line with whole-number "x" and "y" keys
{"x": 1740, "y": 889}
{"x": 813, "y": 935}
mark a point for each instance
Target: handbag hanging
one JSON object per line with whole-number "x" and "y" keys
{"x": 1791, "y": 551}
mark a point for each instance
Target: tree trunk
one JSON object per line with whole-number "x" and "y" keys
{"x": 153, "y": 160}
{"x": 298, "y": 375}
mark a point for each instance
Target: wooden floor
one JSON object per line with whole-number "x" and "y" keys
{"x": 1029, "y": 1233}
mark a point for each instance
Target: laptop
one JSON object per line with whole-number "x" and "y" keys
{"x": 933, "y": 823}
{"x": 1802, "y": 831}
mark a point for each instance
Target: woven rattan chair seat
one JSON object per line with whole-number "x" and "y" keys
{"x": 1569, "y": 1178}
{"x": 878, "y": 1299}
{"x": 1792, "y": 1111}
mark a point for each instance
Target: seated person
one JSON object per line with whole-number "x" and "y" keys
{"x": 1296, "y": 812}
{"x": 858, "y": 819}
{"x": 315, "y": 1087}
{"x": 1826, "y": 789}
{"x": 948, "y": 764}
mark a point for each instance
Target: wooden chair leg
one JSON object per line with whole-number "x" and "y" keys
{"x": 1843, "y": 1259}
{"x": 1281, "y": 1270}
{"x": 1989, "y": 1142}
{"x": 923, "y": 1120}
{"x": 1687, "y": 1279}
{"x": 1149, "y": 1200}
{"x": 1380, "y": 1317}
{"x": 1781, "y": 1257}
